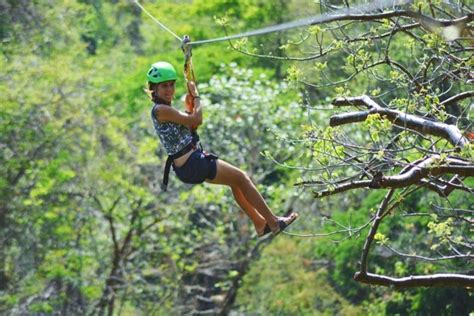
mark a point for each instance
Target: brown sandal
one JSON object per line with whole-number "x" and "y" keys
{"x": 265, "y": 231}
{"x": 282, "y": 225}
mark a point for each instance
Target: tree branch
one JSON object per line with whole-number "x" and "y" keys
{"x": 401, "y": 254}
{"x": 373, "y": 230}
{"x": 453, "y": 99}
{"x": 386, "y": 34}
{"x": 444, "y": 188}
{"x": 426, "y": 21}
{"x": 399, "y": 118}
{"x": 343, "y": 187}
{"x": 433, "y": 280}
{"x": 414, "y": 173}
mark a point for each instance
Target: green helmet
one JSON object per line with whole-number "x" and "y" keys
{"x": 160, "y": 72}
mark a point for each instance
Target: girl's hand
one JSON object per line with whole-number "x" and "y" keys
{"x": 192, "y": 88}
{"x": 189, "y": 103}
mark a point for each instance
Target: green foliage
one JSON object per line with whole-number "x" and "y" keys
{"x": 294, "y": 75}
{"x": 468, "y": 152}
{"x": 241, "y": 106}
{"x": 284, "y": 282}
{"x": 80, "y": 164}
{"x": 82, "y": 155}
{"x": 377, "y": 125}
{"x": 381, "y": 238}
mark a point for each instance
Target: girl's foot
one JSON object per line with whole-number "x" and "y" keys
{"x": 264, "y": 231}
{"x": 284, "y": 222}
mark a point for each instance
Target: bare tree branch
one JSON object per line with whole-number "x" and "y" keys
{"x": 446, "y": 131}
{"x": 456, "y": 98}
{"x": 428, "y": 258}
{"x": 412, "y": 174}
{"x": 426, "y": 21}
{"x": 373, "y": 229}
{"x": 394, "y": 31}
{"x": 433, "y": 280}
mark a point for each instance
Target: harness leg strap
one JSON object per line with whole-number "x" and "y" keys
{"x": 166, "y": 174}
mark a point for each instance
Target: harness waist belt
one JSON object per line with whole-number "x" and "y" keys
{"x": 169, "y": 160}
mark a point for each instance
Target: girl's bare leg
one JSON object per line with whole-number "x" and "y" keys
{"x": 257, "y": 219}
{"x": 236, "y": 178}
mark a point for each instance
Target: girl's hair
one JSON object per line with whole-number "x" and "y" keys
{"x": 151, "y": 91}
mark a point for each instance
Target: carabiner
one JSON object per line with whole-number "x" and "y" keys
{"x": 186, "y": 48}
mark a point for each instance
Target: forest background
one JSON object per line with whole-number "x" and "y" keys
{"x": 85, "y": 228}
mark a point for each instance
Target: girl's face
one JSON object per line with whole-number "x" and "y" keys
{"x": 166, "y": 90}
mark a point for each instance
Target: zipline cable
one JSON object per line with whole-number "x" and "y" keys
{"x": 156, "y": 20}
{"x": 309, "y": 235}
{"x": 326, "y": 17}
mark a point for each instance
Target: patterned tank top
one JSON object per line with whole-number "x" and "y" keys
{"x": 173, "y": 136}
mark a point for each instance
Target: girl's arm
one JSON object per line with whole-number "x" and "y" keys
{"x": 168, "y": 114}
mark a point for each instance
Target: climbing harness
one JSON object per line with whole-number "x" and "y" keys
{"x": 169, "y": 161}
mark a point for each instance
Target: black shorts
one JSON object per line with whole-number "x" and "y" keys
{"x": 199, "y": 167}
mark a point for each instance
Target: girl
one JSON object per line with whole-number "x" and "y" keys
{"x": 190, "y": 163}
